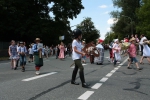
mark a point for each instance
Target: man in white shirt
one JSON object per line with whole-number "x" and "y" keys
{"x": 141, "y": 43}
{"x": 76, "y": 56}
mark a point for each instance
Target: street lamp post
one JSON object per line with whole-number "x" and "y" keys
{"x": 130, "y": 22}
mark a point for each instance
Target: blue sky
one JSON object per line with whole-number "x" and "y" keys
{"x": 99, "y": 11}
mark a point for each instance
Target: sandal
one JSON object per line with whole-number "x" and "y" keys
{"x": 142, "y": 63}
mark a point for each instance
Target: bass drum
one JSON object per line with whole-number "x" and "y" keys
{"x": 96, "y": 53}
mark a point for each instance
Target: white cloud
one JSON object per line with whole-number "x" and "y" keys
{"x": 112, "y": 21}
{"x": 103, "y": 6}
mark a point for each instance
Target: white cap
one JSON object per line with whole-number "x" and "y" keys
{"x": 115, "y": 40}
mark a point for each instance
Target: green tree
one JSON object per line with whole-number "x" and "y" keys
{"x": 143, "y": 14}
{"x": 90, "y": 33}
{"x": 27, "y": 19}
{"x": 127, "y": 19}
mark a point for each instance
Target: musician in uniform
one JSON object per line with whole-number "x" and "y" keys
{"x": 91, "y": 52}
{"x": 37, "y": 53}
{"x": 76, "y": 56}
{"x": 99, "y": 60}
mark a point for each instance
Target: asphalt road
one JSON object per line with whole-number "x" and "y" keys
{"x": 107, "y": 82}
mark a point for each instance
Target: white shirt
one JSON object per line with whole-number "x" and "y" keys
{"x": 76, "y": 44}
{"x": 141, "y": 41}
{"x": 30, "y": 51}
{"x": 18, "y": 49}
{"x": 22, "y": 49}
{"x": 115, "y": 46}
{"x": 99, "y": 46}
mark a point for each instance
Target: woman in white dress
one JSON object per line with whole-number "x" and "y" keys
{"x": 146, "y": 50}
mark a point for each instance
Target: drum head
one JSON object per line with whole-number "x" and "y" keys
{"x": 96, "y": 53}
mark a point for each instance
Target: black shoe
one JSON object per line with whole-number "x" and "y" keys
{"x": 99, "y": 64}
{"x": 129, "y": 67}
{"x": 15, "y": 68}
{"x": 72, "y": 82}
{"x": 85, "y": 85}
{"x": 23, "y": 69}
{"x": 140, "y": 68}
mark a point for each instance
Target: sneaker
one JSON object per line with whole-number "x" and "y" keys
{"x": 37, "y": 72}
{"x": 118, "y": 62}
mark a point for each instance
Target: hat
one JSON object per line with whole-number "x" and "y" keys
{"x": 132, "y": 39}
{"x": 38, "y": 39}
{"x": 21, "y": 42}
{"x": 115, "y": 40}
{"x": 100, "y": 40}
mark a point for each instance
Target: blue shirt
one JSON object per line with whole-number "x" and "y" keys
{"x": 34, "y": 48}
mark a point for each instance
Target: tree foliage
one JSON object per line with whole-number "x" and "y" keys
{"x": 27, "y": 19}
{"x": 143, "y": 14}
{"x": 126, "y": 16}
{"x": 90, "y": 33}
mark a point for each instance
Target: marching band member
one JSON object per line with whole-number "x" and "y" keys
{"x": 99, "y": 60}
{"x": 76, "y": 56}
{"x": 37, "y": 53}
{"x": 91, "y": 53}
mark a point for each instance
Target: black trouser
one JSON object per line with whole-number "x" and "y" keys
{"x": 17, "y": 62}
{"x": 141, "y": 50}
{"x": 92, "y": 59}
{"x": 78, "y": 65}
{"x": 115, "y": 61}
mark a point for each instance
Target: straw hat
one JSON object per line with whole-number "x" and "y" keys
{"x": 132, "y": 39}
{"x": 37, "y": 39}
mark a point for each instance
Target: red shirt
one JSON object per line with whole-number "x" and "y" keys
{"x": 132, "y": 50}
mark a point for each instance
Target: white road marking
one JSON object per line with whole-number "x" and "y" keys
{"x": 107, "y": 57}
{"x": 96, "y": 86}
{"x": 119, "y": 66}
{"x": 116, "y": 68}
{"x": 40, "y": 76}
{"x": 109, "y": 74}
{"x": 86, "y": 95}
{"x": 104, "y": 79}
{"x": 113, "y": 71}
